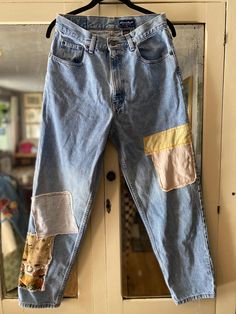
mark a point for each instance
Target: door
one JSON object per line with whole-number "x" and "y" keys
{"x": 104, "y": 284}
{"x": 134, "y": 281}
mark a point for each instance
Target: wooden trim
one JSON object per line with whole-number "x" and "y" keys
{"x": 226, "y": 275}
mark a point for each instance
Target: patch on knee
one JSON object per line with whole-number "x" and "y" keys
{"x": 53, "y": 213}
{"x": 36, "y": 258}
{"x": 173, "y": 157}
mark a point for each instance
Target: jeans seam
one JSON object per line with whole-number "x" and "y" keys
{"x": 195, "y": 297}
{"x": 43, "y": 305}
{"x": 205, "y": 231}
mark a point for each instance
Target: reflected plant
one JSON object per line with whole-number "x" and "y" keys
{"x": 4, "y": 112}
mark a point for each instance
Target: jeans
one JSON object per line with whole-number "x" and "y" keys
{"x": 115, "y": 78}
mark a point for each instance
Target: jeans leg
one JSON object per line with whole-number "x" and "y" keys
{"x": 74, "y": 131}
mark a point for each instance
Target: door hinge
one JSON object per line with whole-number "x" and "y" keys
{"x": 218, "y": 209}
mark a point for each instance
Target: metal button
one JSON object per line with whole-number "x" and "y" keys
{"x": 112, "y": 42}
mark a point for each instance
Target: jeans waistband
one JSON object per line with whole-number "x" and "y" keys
{"x": 79, "y": 27}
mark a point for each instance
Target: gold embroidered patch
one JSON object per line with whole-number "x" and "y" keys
{"x": 173, "y": 156}
{"x": 36, "y": 258}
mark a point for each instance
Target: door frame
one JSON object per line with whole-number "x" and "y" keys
{"x": 29, "y": 12}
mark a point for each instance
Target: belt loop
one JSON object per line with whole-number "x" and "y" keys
{"x": 130, "y": 42}
{"x": 92, "y": 43}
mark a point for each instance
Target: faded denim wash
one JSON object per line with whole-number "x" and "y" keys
{"x": 116, "y": 78}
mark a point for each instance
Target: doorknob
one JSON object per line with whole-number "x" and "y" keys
{"x": 111, "y": 176}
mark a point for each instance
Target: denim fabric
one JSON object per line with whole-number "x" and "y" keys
{"x": 116, "y": 78}
{"x": 12, "y": 205}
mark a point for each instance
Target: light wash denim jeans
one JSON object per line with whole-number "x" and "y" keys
{"x": 116, "y": 78}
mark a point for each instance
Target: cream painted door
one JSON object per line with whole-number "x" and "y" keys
{"x": 99, "y": 265}
{"x": 119, "y": 299}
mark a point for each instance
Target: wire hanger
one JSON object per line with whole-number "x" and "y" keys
{"x": 94, "y": 2}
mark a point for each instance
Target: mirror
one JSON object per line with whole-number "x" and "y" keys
{"x": 23, "y": 61}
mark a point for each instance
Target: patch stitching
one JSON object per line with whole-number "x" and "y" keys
{"x": 50, "y": 194}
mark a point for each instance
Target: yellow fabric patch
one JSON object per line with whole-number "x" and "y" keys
{"x": 36, "y": 258}
{"x": 167, "y": 139}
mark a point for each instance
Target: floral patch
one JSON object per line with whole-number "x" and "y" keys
{"x": 35, "y": 261}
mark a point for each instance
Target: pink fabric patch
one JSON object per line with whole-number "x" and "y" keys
{"x": 53, "y": 214}
{"x": 175, "y": 166}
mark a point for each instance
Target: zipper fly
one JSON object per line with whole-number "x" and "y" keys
{"x": 117, "y": 92}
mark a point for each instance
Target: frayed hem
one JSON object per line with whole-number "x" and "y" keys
{"x": 195, "y": 298}
{"x": 44, "y": 305}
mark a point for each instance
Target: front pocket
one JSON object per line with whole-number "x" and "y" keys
{"x": 153, "y": 49}
{"x": 66, "y": 51}
{"x": 173, "y": 157}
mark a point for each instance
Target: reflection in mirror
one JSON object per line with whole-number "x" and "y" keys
{"x": 141, "y": 274}
{"x": 23, "y": 62}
